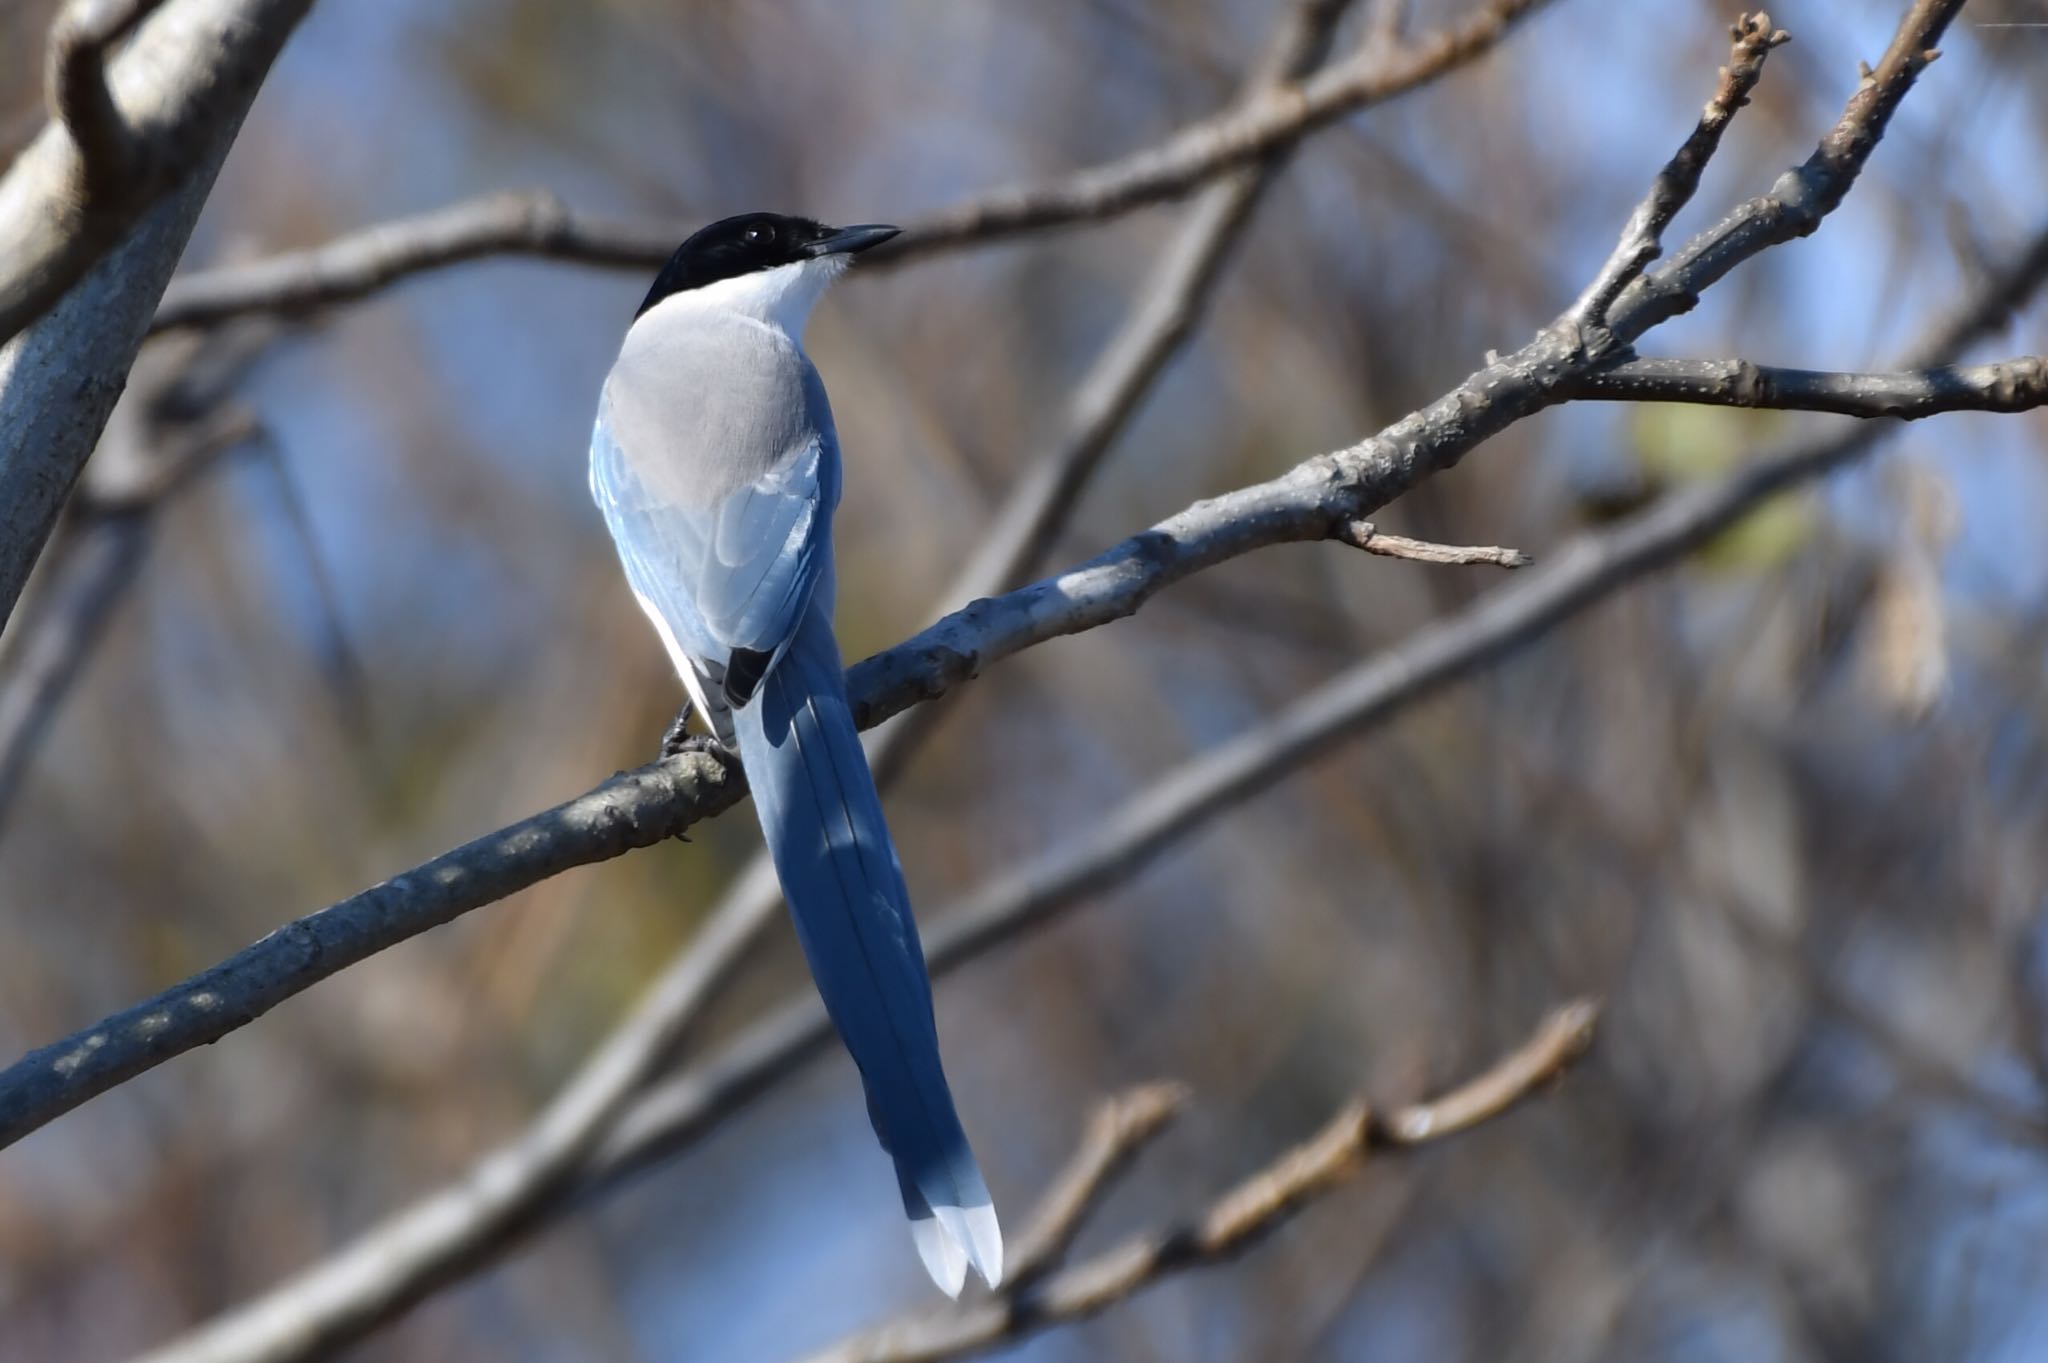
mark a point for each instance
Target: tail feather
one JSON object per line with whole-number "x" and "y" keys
{"x": 823, "y": 822}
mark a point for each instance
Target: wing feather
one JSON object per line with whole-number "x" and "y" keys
{"x": 737, "y": 573}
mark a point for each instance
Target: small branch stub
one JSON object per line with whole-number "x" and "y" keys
{"x": 1364, "y": 535}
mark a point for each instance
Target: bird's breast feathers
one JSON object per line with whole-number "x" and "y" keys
{"x": 703, "y": 404}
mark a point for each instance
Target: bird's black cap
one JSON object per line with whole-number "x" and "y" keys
{"x": 751, "y": 242}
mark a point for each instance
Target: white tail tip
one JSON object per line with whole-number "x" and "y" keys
{"x": 943, "y": 1256}
{"x": 953, "y": 1238}
{"x": 985, "y": 1243}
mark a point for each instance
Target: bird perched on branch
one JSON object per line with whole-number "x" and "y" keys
{"x": 717, "y": 468}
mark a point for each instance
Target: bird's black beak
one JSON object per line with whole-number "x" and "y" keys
{"x": 852, "y": 240}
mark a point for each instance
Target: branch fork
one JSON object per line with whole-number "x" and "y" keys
{"x": 81, "y": 36}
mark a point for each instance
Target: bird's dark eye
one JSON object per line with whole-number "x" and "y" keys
{"x": 758, "y": 235}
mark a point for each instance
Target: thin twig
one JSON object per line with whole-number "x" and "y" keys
{"x": 1234, "y": 1222}
{"x": 89, "y": 572}
{"x": 2015, "y": 385}
{"x": 533, "y": 222}
{"x": 356, "y": 265}
{"x": 1675, "y": 185}
{"x": 186, "y": 457}
{"x": 1369, "y": 537}
{"x": 1117, "y": 1133}
{"x": 1562, "y": 1038}
{"x": 1803, "y": 196}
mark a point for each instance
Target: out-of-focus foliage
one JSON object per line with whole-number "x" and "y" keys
{"x": 1783, "y": 808}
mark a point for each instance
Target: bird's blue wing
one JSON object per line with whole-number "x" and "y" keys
{"x": 735, "y": 574}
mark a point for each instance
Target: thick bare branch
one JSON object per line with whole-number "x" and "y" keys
{"x": 181, "y": 87}
{"x": 1234, "y": 1222}
{"x": 633, "y": 809}
{"x": 356, "y": 265}
{"x": 1313, "y": 501}
{"x": 127, "y": 131}
{"x": 1642, "y": 238}
{"x": 2015, "y": 385}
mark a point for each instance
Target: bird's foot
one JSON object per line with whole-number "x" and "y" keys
{"x": 679, "y": 739}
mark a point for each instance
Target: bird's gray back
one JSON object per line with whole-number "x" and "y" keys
{"x": 703, "y": 403}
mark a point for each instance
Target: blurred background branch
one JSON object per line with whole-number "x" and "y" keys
{"x": 1117, "y": 1132}
{"x": 179, "y": 422}
{"x": 1269, "y": 120}
{"x": 1234, "y": 1222}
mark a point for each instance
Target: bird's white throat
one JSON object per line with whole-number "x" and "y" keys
{"x": 782, "y": 297}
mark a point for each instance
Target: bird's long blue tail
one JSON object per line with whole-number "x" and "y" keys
{"x": 823, "y": 822}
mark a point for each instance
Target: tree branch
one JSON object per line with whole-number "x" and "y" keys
{"x": 1234, "y": 1222}
{"x": 103, "y": 553}
{"x": 1313, "y": 501}
{"x": 535, "y": 223}
{"x": 1642, "y": 238}
{"x": 1117, "y": 1133}
{"x": 1803, "y": 196}
{"x": 88, "y": 574}
{"x": 1369, "y": 537}
{"x": 532, "y": 222}
{"x": 2015, "y": 385}
{"x": 181, "y": 87}
{"x": 1169, "y": 305}
{"x": 126, "y": 132}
